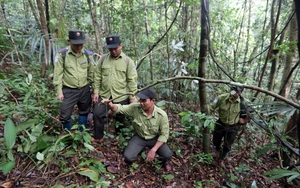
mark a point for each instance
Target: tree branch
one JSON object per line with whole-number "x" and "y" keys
{"x": 215, "y": 81}
{"x": 153, "y": 46}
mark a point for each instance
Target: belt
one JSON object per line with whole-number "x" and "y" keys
{"x": 75, "y": 87}
{"x": 227, "y": 125}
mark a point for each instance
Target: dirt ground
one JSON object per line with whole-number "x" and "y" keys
{"x": 241, "y": 169}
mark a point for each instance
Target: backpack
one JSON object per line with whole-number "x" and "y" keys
{"x": 64, "y": 52}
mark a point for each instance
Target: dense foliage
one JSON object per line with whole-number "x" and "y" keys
{"x": 163, "y": 38}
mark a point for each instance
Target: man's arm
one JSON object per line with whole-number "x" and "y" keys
{"x": 152, "y": 152}
{"x": 97, "y": 82}
{"x": 58, "y": 75}
{"x": 91, "y": 70}
{"x": 113, "y": 107}
{"x": 132, "y": 80}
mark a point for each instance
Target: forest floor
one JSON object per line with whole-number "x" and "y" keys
{"x": 241, "y": 169}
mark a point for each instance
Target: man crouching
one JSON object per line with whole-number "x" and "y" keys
{"x": 151, "y": 126}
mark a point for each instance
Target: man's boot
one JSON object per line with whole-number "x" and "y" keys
{"x": 67, "y": 125}
{"x": 82, "y": 120}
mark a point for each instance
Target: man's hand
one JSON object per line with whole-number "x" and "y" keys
{"x": 113, "y": 107}
{"x": 60, "y": 97}
{"x": 133, "y": 100}
{"x": 95, "y": 97}
{"x": 151, "y": 155}
{"x": 244, "y": 120}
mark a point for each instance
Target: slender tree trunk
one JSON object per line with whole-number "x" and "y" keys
{"x": 185, "y": 22}
{"x": 148, "y": 37}
{"x": 35, "y": 15}
{"x": 290, "y": 59}
{"x": 167, "y": 48}
{"x": 291, "y": 129}
{"x": 93, "y": 11}
{"x": 61, "y": 13}
{"x": 291, "y": 132}
{"x": 134, "y": 30}
{"x": 273, "y": 34}
{"x": 273, "y": 75}
{"x": 274, "y": 64}
{"x": 102, "y": 16}
{"x": 201, "y": 69}
{"x": 45, "y": 30}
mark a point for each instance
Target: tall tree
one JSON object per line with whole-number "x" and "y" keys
{"x": 290, "y": 58}
{"x": 46, "y": 34}
{"x": 201, "y": 69}
{"x": 93, "y": 13}
{"x": 272, "y": 42}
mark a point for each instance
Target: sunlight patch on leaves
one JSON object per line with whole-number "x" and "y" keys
{"x": 88, "y": 146}
{"x": 40, "y": 156}
{"x": 93, "y": 175}
{"x": 29, "y": 79}
{"x": 177, "y": 46}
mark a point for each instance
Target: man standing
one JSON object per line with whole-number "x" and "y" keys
{"x": 229, "y": 108}
{"x": 151, "y": 126}
{"x": 114, "y": 75}
{"x": 73, "y": 74}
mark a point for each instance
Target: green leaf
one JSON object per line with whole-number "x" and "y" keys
{"x": 32, "y": 137}
{"x": 6, "y": 167}
{"x": 93, "y": 175}
{"x": 10, "y": 133}
{"x": 161, "y": 103}
{"x": 88, "y": 146}
{"x": 182, "y": 113}
{"x": 280, "y": 173}
{"x": 40, "y": 156}
{"x": 269, "y": 147}
{"x": 2, "y": 77}
{"x": 41, "y": 144}
{"x": 57, "y": 186}
{"x": 26, "y": 124}
{"x": 169, "y": 177}
{"x": 10, "y": 155}
{"x": 29, "y": 79}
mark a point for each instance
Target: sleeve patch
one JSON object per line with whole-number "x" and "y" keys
{"x": 56, "y": 59}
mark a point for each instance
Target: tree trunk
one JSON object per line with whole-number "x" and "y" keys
{"x": 45, "y": 30}
{"x": 290, "y": 59}
{"x": 273, "y": 75}
{"x": 148, "y": 36}
{"x": 185, "y": 22}
{"x": 35, "y": 15}
{"x": 102, "y": 16}
{"x": 291, "y": 132}
{"x": 201, "y": 69}
{"x": 291, "y": 126}
{"x": 272, "y": 42}
{"x": 93, "y": 12}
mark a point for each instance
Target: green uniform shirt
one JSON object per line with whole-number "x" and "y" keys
{"x": 145, "y": 126}
{"x": 75, "y": 72}
{"x": 114, "y": 77}
{"x": 229, "y": 110}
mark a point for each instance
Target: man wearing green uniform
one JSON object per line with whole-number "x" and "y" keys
{"x": 227, "y": 125}
{"x": 151, "y": 126}
{"x": 114, "y": 75}
{"x": 73, "y": 74}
